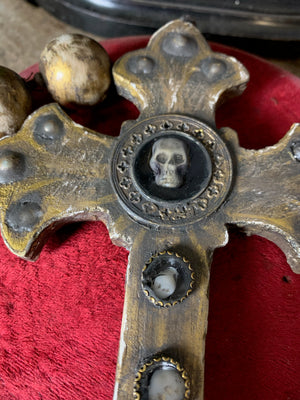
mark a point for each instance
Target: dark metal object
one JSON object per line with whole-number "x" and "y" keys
{"x": 270, "y": 19}
{"x": 73, "y": 173}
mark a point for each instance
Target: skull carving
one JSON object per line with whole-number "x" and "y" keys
{"x": 169, "y": 162}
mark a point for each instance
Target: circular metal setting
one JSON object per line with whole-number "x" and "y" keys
{"x": 167, "y": 279}
{"x": 186, "y": 184}
{"x": 161, "y": 378}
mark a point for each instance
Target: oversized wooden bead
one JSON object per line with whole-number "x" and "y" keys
{"x": 15, "y": 101}
{"x": 76, "y": 70}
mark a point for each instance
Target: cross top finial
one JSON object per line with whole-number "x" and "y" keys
{"x": 178, "y": 73}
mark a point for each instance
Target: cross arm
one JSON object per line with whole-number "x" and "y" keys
{"x": 265, "y": 199}
{"x": 52, "y": 171}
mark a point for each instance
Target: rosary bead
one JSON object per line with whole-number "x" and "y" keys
{"x": 76, "y": 70}
{"x": 15, "y": 102}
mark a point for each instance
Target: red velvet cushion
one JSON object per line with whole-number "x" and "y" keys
{"x": 60, "y": 317}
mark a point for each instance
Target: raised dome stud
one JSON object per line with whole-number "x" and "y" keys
{"x": 12, "y": 166}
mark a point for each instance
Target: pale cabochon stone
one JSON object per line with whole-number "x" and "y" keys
{"x": 164, "y": 285}
{"x": 166, "y": 384}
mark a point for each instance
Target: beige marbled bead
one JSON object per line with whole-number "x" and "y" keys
{"x": 15, "y": 102}
{"x": 76, "y": 70}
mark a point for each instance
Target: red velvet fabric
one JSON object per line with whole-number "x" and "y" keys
{"x": 60, "y": 317}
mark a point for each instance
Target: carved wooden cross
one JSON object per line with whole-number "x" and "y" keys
{"x": 166, "y": 188}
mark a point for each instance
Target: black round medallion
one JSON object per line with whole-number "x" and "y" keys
{"x": 171, "y": 170}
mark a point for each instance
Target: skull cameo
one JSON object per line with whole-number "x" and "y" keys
{"x": 169, "y": 162}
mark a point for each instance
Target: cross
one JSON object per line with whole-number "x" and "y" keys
{"x": 167, "y": 188}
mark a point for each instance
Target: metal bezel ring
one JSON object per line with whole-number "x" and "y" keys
{"x": 141, "y": 379}
{"x": 150, "y": 210}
